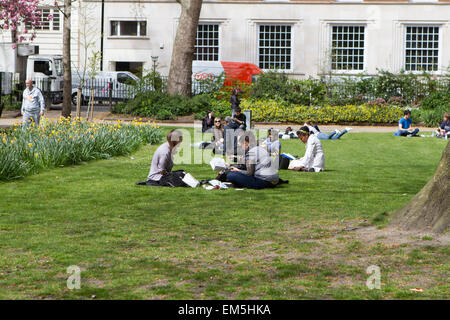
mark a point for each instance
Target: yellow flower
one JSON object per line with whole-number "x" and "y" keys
{"x": 30, "y": 145}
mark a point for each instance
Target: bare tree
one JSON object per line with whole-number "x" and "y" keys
{"x": 430, "y": 208}
{"x": 180, "y": 74}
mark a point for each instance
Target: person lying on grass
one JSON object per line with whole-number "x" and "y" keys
{"x": 288, "y": 134}
{"x": 162, "y": 162}
{"x": 314, "y": 158}
{"x": 336, "y": 134}
{"x": 259, "y": 172}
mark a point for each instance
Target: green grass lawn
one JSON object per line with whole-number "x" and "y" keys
{"x": 292, "y": 242}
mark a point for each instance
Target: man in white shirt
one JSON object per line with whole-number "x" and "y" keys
{"x": 33, "y": 104}
{"x": 314, "y": 158}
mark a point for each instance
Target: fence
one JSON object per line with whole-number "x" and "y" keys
{"x": 410, "y": 89}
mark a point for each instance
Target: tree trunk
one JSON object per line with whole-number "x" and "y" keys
{"x": 430, "y": 208}
{"x": 180, "y": 74}
{"x": 67, "y": 91}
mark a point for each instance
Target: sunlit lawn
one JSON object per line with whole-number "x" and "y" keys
{"x": 137, "y": 242}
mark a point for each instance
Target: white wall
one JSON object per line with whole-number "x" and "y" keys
{"x": 384, "y": 44}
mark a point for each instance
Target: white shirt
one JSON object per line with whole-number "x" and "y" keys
{"x": 314, "y": 156}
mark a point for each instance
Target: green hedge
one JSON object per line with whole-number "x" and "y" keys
{"x": 271, "y": 110}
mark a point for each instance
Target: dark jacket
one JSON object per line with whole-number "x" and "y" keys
{"x": 234, "y": 100}
{"x": 207, "y": 123}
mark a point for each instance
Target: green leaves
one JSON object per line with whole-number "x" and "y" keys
{"x": 25, "y": 151}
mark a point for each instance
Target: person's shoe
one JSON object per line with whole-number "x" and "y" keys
{"x": 337, "y": 131}
{"x": 348, "y": 129}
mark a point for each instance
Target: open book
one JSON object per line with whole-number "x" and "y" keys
{"x": 218, "y": 164}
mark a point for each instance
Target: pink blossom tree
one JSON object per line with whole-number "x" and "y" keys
{"x": 18, "y": 16}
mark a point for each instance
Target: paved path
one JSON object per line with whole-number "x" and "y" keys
{"x": 8, "y": 119}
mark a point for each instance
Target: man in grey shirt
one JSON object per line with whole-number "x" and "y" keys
{"x": 162, "y": 162}
{"x": 32, "y": 104}
{"x": 260, "y": 172}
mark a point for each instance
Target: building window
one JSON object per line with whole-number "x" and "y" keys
{"x": 207, "y": 43}
{"x": 274, "y": 47}
{"x": 422, "y": 48}
{"x": 46, "y": 24}
{"x": 128, "y": 28}
{"x": 347, "y": 48}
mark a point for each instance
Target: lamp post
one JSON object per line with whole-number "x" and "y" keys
{"x": 154, "y": 59}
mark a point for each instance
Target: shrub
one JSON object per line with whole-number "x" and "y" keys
{"x": 161, "y": 105}
{"x": 156, "y": 104}
{"x": 270, "y": 85}
{"x": 25, "y": 151}
{"x": 433, "y": 107}
{"x": 271, "y": 110}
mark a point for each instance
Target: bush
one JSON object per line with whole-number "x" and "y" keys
{"x": 10, "y": 105}
{"x": 155, "y": 104}
{"x": 271, "y": 110}
{"x": 433, "y": 107}
{"x": 25, "y": 151}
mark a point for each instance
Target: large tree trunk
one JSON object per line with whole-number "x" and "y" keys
{"x": 430, "y": 208}
{"x": 180, "y": 74}
{"x": 67, "y": 91}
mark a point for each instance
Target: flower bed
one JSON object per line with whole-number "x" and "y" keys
{"x": 25, "y": 151}
{"x": 274, "y": 111}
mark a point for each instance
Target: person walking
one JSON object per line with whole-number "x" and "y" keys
{"x": 33, "y": 104}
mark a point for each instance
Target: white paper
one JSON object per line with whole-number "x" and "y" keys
{"x": 217, "y": 164}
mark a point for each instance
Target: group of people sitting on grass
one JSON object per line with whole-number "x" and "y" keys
{"x": 255, "y": 168}
{"x": 406, "y": 130}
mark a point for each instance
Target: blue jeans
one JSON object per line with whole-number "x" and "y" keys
{"x": 243, "y": 181}
{"x": 29, "y": 117}
{"x": 405, "y": 133}
{"x": 332, "y": 135}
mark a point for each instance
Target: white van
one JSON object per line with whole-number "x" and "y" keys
{"x": 120, "y": 83}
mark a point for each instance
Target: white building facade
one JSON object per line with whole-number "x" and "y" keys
{"x": 302, "y": 38}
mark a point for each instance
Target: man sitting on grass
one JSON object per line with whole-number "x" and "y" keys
{"x": 404, "y": 126}
{"x": 162, "y": 162}
{"x": 259, "y": 172}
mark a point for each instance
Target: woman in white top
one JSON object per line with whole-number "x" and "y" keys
{"x": 314, "y": 158}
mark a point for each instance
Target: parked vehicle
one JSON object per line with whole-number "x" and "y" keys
{"x": 120, "y": 83}
{"x": 45, "y": 70}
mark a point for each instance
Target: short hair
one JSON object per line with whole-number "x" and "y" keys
{"x": 303, "y": 131}
{"x": 174, "y": 135}
{"x": 228, "y": 119}
{"x": 247, "y": 136}
{"x": 447, "y": 115}
{"x": 238, "y": 109}
{"x": 406, "y": 112}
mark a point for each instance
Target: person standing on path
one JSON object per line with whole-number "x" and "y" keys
{"x": 33, "y": 104}
{"x": 234, "y": 100}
